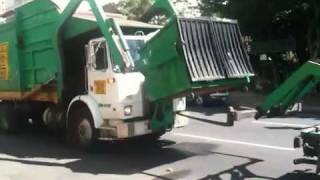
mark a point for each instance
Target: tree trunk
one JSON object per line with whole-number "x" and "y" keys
{"x": 313, "y": 35}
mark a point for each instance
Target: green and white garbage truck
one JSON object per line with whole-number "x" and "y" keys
{"x": 99, "y": 75}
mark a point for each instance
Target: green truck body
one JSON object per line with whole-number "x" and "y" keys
{"x": 30, "y": 58}
{"x": 31, "y": 51}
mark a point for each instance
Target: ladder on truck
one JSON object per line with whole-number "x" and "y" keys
{"x": 291, "y": 91}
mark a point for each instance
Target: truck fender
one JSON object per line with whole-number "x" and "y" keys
{"x": 93, "y": 107}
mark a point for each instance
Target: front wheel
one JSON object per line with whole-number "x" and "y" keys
{"x": 81, "y": 132}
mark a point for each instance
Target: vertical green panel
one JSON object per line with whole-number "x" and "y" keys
{"x": 165, "y": 69}
{"x": 37, "y": 23}
{"x": 8, "y": 36}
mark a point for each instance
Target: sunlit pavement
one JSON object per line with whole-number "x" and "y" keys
{"x": 206, "y": 149}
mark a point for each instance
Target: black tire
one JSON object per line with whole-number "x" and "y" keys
{"x": 199, "y": 101}
{"x": 153, "y": 137}
{"x": 81, "y": 132}
{"x": 276, "y": 112}
{"x": 259, "y": 113}
{"x": 36, "y": 115}
{"x": 11, "y": 120}
{"x": 149, "y": 139}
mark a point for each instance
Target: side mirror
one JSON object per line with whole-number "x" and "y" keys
{"x": 116, "y": 69}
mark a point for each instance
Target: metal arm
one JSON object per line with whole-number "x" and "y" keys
{"x": 108, "y": 28}
{"x": 299, "y": 84}
{"x": 160, "y": 7}
{"x": 121, "y": 57}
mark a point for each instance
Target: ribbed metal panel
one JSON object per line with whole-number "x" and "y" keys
{"x": 213, "y": 49}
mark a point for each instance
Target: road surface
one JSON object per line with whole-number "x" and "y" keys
{"x": 206, "y": 149}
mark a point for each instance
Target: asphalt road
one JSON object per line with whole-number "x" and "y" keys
{"x": 206, "y": 149}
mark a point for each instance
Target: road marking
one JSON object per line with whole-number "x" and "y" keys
{"x": 5, "y": 157}
{"x": 234, "y": 142}
{"x": 281, "y": 124}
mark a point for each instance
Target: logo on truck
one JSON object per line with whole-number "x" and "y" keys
{"x": 100, "y": 87}
{"x": 4, "y": 68}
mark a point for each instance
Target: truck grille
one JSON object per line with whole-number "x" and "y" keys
{"x": 213, "y": 49}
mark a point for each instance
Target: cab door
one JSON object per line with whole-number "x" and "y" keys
{"x": 97, "y": 70}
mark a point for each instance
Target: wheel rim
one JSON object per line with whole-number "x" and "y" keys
{"x": 199, "y": 100}
{"x": 85, "y": 131}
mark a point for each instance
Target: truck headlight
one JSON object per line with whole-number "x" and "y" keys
{"x": 127, "y": 110}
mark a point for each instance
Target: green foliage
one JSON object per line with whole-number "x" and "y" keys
{"x": 134, "y": 9}
{"x": 274, "y": 19}
{"x": 213, "y": 7}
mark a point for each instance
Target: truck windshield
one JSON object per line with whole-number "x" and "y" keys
{"x": 135, "y": 43}
{"x": 134, "y": 47}
{"x": 101, "y": 57}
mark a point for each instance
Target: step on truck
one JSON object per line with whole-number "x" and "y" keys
{"x": 98, "y": 75}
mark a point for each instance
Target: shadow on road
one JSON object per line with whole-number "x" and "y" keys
{"x": 121, "y": 158}
{"x": 241, "y": 172}
{"x": 284, "y": 128}
{"x": 237, "y": 172}
{"x": 300, "y": 175}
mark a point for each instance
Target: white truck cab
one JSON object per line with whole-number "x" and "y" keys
{"x": 116, "y": 100}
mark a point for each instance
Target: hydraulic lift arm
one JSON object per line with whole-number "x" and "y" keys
{"x": 199, "y": 55}
{"x": 292, "y": 90}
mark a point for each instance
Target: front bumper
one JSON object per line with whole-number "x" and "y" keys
{"x": 120, "y": 129}
{"x": 123, "y": 130}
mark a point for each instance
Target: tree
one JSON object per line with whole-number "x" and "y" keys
{"x": 134, "y": 9}
{"x": 313, "y": 35}
{"x": 274, "y": 19}
{"x": 213, "y": 7}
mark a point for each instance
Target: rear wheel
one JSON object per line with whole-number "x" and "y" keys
{"x": 37, "y": 115}
{"x": 199, "y": 101}
{"x": 11, "y": 119}
{"x": 81, "y": 132}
